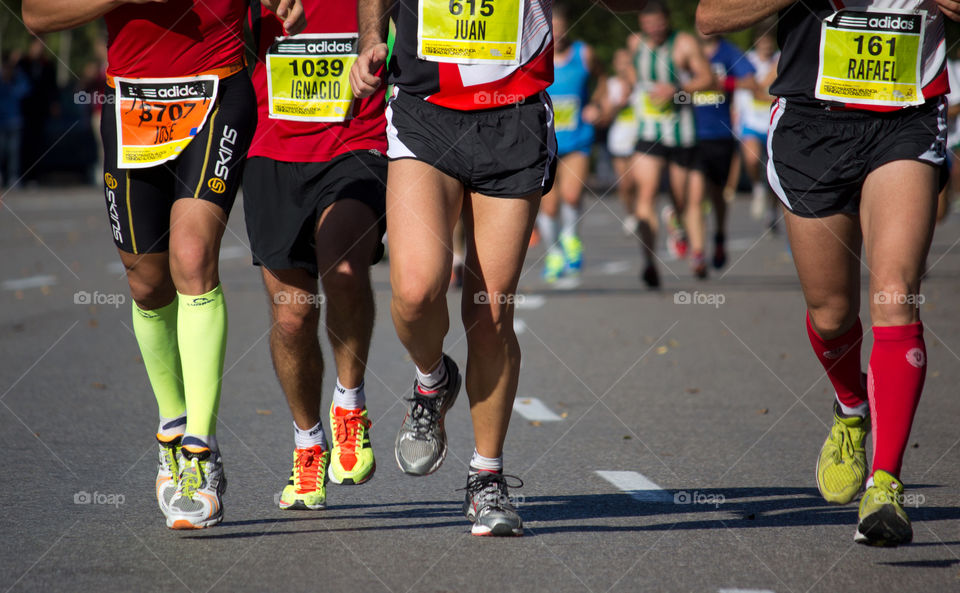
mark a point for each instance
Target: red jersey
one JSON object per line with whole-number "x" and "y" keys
{"x": 178, "y": 38}
{"x": 311, "y": 141}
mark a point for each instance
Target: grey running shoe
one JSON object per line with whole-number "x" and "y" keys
{"x": 487, "y": 504}
{"x": 198, "y": 500}
{"x": 421, "y": 444}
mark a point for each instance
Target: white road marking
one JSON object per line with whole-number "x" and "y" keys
{"x": 234, "y": 252}
{"x": 612, "y": 268}
{"x": 530, "y": 301}
{"x": 519, "y": 326}
{"x": 532, "y": 408}
{"x": 567, "y": 283}
{"x": 636, "y": 485}
{"x": 29, "y": 282}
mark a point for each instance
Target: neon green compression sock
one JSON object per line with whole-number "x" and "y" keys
{"x": 156, "y": 333}
{"x": 202, "y": 336}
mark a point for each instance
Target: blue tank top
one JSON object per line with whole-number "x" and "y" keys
{"x": 570, "y": 94}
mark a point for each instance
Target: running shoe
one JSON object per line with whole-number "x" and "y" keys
{"x": 572, "y": 253}
{"x": 719, "y": 252}
{"x": 307, "y": 487}
{"x": 650, "y": 276}
{"x": 842, "y": 466}
{"x": 351, "y": 458}
{"x": 167, "y": 478}
{"x": 883, "y": 522}
{"x": 677, "y": 244}
{"x": 198, "y": 500}
{"x": 487, "y": 504}
{"x": 698, "y": 264}
{"x": 421, "y": 444}
{"x": 534, "y": 239}
{"x": 554, "y": 265}
{"x": 456, "y": 275}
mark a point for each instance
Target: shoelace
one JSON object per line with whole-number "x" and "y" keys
{"x": 841, "y": 432}
{"x": 191, "y": 479}
{"x": 490, "y": 488}
{"x": 424, "y": 413}
{"x": 308, "y": 468}
{"x": 347, "y": 429}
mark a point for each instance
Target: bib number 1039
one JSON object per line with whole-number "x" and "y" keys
{"x": 308, "y": 77}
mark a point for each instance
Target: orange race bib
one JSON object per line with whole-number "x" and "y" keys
{"x": 158, "y": 117}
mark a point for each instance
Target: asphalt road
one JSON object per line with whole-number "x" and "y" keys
{"x": 665, "y": 446}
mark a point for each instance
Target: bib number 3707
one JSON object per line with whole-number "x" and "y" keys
{"x": 871, "y": 58}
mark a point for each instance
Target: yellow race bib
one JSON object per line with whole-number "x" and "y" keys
{"x": 566, "y": 113}
{"x": 470, "y": 31}
{"x": 871, "y": 58}
{"x": 654, "y": 110}
{"x": 158, "y": 117}
{"x": 308, "y": 77}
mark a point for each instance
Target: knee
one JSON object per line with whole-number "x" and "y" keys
{"x": 150, "y": 295}
{"x": 489, "y": 325}
{"x": 414, "y": 296}
{"x": 194, "y": 262}
{"x": 297, "y": 318}
{"x": 831, "y": 317}
{"x": 894, "y": 302}
{"x": 344, "y": 279}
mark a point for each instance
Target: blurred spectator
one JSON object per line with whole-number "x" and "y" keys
{"x": 38, "y": 105}
{"x": 14, "y": 86}
{"x": 93, "y": 82}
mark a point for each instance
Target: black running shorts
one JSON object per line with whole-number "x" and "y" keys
{"x": 713, "y": 158}
{"x": 818, "y": 159}
{"x": 282, "y": 202}
{"x": 209, "y": 168}
{"x": 504, "y": 152}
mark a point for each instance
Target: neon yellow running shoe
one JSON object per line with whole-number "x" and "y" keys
{"x": 307, "y": 487}
{"x": 351, "y": 459}
{"x": 842, "y": 466}
{"x": 572, "y": 253}
{"x": 883, "y": 522}
{"x": 553, "y": 266}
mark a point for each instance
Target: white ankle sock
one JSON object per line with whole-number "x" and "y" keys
{"x": 349, "y": 399}
{"x": 435, "y": 378}
{"x": 304, "y": 439}
{"x": 480, "y": 463}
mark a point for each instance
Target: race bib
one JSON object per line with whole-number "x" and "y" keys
{"x": 308, "y": 77}
{"x": 158, "y": 117}
{"x": 871, "y": 58}
{"x": 566, "y": 113}
{"x": 470, "y": 31}
{"x": 655, "y": 110}
{"x": 627, "y": 116}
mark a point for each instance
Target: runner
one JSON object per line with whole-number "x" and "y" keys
{"x": 174, "y": 150}
{"x": 314, "y": 191}
{"x": 622, "y": 135}
{"x": 469, "y": 127}
{"x": 575, "y": 111}
{"x": 670, "y": 66}
{"x": 716, "y": 146}
{"x": 856, "y": 154}
{"x": 754, "y": 110}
